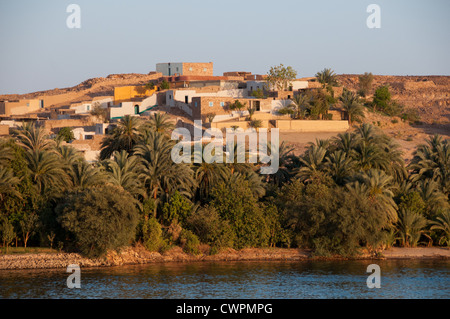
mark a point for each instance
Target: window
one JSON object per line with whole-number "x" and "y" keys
{"x": 195, "y": 104}
{"x": 28, "y": 104}
{"x": 136, "y": 109}
{"x": 88, "y": 107}
{"x": 211, "y": 103}
{"x": 222, "y": 104}
{"x": 186, "y": 99}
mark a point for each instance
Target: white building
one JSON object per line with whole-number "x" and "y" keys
{"x": 135, "y": 108}
{"x": 88, "y": 106}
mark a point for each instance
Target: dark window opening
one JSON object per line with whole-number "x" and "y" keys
{"x": 257, "y": 105}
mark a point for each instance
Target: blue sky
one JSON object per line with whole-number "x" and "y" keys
{"x": 39, "y": 52}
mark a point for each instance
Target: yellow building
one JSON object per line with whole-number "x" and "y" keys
{"x": 127, "y": 93}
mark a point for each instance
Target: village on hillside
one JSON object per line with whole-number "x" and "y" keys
{"x": 187, "y": 92}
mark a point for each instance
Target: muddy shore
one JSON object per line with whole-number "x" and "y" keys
{"x": 138, "y": 255}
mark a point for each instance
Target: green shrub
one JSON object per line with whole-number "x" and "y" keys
{"x": 65, "y": 134}
{"x": 178, "y": 208}
{"x": 152, "y": 234}
{"x": 382, "y": 97}
{"x": 286, "y": 110}
{"x": 365, "y": 83}
{"x": 190, "y": 242}
{"x": 411, "y": 115}
{"x": 235, "y": 203}
{"x": 98, "y": 219}
{"x": 164, "y": 85}
{"x": 259, "y": 94}
{"x": 211, "y": 229}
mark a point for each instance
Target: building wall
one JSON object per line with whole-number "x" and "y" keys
{"x": 198, "y": 69}
{"x": 241, "y": 124}
{"x": 122, "y": 109}
{"x": 19, "y": 107}
{"x": 312, "y": 126}
{"x": 185, "y": 68}
{"x": 220, "y": 105}
{"x": 255, "y": 85}
{"x": 53, "y": 124}
{"x": 4, "y": 129}
{"x": 298, "y": 84}
{"x": 169, "y": 69}
{"x": 124, "y": 93}
{"x": 129, "y": 107}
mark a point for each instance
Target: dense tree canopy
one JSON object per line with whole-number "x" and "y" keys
{"x": 342, "y": 194}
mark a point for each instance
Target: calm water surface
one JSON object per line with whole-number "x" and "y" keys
{"x": 232, "y": 280}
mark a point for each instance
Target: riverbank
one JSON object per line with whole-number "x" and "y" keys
{"x": 139, "y": 255}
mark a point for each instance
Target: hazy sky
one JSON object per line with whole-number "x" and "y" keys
{"x": 39, "y": 51}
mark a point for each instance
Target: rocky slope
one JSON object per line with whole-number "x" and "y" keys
{"x": 429, "y": 95}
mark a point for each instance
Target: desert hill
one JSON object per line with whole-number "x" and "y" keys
{"x": 429, "y": 95}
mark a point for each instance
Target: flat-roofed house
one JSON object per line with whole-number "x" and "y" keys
{"x": 185, "y": 68}
{"x": 20, "y": 107}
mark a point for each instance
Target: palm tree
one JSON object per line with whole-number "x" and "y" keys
{"x": 8, "y": 183}
{"x": 160, "y": 122}
{"x": 208, "y": 175}
{"x": 46, "y": 171}
{"x": 234, "y": 162}
{"x": 378, "y": 187}
{"x": 319, "y": 104}
{"x": 432, "y": 161}
{"x": 251, "y": 111}
{"x": 375, "y": 150}
{"x": 327, "y": 77}
{"x": 124, "y": 137}
{"x": 339, "y": 166}
{"x": 442, "y": 223}
{"x": 33, "y": 138}
{"x": 350, "y": 103}
{"x": 6, "y": 153}
{"x": 69, "y": 154}
{"x": 285, "y": 165}
{"x": 301, "y": 103}
{"x": 161, "y": 176}
{"x": 434, "y": 199}
{"x": 312, "y": 161}
{"x": 82, "y": 175}
{"x": 122, "y": 170}
{"x": 345, "y": 142}
{"x": 254, "y": 181}
{"x": 411, "y": 226}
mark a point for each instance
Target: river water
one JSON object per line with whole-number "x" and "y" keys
{"x": 424, "y": 279}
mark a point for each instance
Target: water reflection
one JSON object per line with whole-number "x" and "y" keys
{"x": 259, "y": 280}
